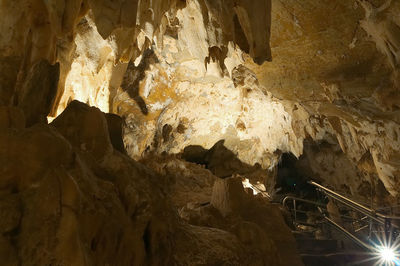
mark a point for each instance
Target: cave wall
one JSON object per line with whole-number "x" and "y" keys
{"x": 329, "y": 76}
{"x": 69, "y": 194}
{"x": 344, "y": 82}
{"x": 185, "y": 73}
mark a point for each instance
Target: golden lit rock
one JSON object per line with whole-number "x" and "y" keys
{"x": 160, "y": 110}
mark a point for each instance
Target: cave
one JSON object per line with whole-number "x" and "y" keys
{"x": 292, "y": 177}
{"x": 199, "y": 132}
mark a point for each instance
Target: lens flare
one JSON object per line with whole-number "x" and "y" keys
{"x": 387, "y": 254}
{"x": 384, "y": 251}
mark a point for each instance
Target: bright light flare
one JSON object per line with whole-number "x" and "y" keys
{"x": 387, "y": 254}
{"x": 383, "y": 252}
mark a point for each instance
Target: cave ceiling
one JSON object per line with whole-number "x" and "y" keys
{"x": 262, "y": 75}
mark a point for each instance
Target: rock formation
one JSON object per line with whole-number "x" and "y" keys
{"x": 127, "y": 126}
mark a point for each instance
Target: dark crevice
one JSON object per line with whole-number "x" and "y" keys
{"x": 240, "y": 37}
{"x": 147, "y": 239}
{"x": 134, "y": 75}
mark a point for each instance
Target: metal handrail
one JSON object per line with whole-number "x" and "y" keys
{"x": 370, "y": 213}
{"x": 379, "y": 217}
{"x": 347, "y": 233}
{"x": 295, "y": 199}
{"x": 330, "y": 221}
{"x": 316, "y": 203}
{"x": 302, "y": 200}
{"x": 341, "y": 197}
{"x": 350, "y": 235}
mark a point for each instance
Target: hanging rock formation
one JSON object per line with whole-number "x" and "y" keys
{"x": 100, "y": 100}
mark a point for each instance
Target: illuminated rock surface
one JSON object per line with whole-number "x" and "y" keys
{"x": 136, "y": 89}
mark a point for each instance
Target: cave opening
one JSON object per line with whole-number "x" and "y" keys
{"x": 292, "y": 189}
{"x": 292, "y": 178}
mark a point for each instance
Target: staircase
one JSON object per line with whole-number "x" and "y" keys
{"x": 327, "y": 252}
{"x": 327, "y": 239}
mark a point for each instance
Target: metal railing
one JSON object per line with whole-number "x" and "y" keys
{"x": 350, "y": 235}
{"x": 371, "y": 218}
{"x": 295, "y": 200}
{"x": 317, "y": 204}
{"x": 371, "y": 213}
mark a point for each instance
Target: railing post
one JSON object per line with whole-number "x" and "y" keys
{"x": 370, "y": 229}
{"x": 388, "y": 228}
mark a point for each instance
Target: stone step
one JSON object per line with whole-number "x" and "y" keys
{"x": 337, "y": 259}
{"x": 316, "y": 246}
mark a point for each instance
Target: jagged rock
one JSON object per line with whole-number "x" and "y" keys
{"x": 75, "y": 211}
{"x": 187, "y": 181}
{"x": 258, "y": 225}
{"x": 11, "y": 117}
{"x": 261, "y": 247}
{"x": 9, "y": 67}
{"x": 228, "y": 196}
{"x": 186, "y": 73}
{"x": 195, "y": 154}
{"x": 94, "y": 207}
{"x": 115, "y": 126}
{"x": 21, "y": 170}
{"x": 36, "y": 90}
{"x": 217, "y": 247}
{"x": 86, "y": 128}
{"x": 202, "y": 215}
{"x": 222, "y": 162}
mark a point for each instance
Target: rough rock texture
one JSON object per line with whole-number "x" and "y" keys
{"x": 71, "y": 198}
{"x": 257, "y": 224}
{"x": 220, "y": 210}
{"x": 178, "y": 74}
{"x": 344, "y": 84}
{"x": 73, "y": 202}
{"x": 188, "y": 181}
{"x": 115, "y": 31}
{"x": 333, "y": 80}
{"x": 36, "y": 90}
{"x": 343, "y": 87}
